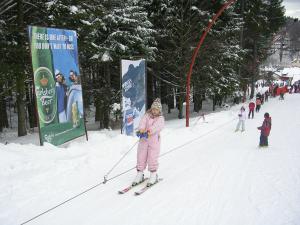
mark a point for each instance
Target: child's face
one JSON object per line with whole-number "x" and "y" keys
{"x": 155, "y": 112}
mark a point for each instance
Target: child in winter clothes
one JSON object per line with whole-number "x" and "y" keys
{"x": 265, "y": 130}
{"x": 149, "y": 146}
{"x": 281, "y": 95}
{"x": 251, "y": 109}
{"x": 242, "y": 119}
{"x": 258, "y": 104}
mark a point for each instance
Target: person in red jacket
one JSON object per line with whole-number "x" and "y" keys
{"x": 265, "y": 130}
{"x": 251, "y": 109}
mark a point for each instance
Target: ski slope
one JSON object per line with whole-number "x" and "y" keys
{"x": 220, "y": 178}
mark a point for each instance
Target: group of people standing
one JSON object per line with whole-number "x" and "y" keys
{"x": 295, "y": 87}
{"x": 266, "y": 126}
{"x": 260, "y": 99}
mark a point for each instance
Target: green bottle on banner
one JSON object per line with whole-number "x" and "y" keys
{"x": 43, "y": 76}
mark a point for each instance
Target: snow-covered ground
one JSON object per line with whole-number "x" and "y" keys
{"x": 221, "y": 178}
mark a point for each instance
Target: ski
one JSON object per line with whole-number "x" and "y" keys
{"x": 144, "y": 189}
{"x": 123, "y": 191}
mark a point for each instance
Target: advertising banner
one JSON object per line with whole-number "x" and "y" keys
{"x": 57, "y": 84}
{"x": 133, "y": 94}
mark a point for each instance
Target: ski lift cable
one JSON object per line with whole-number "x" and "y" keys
{"x": 197, "y": 138}
{"x": 118, "y": 162}
{"x": 120, "y": 174}
{"x": 62, "y": 203}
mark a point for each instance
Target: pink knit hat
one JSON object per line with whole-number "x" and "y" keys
{"x": 156, "y": 105}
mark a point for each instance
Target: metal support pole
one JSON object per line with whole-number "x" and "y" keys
{"x": 202, "y": 38}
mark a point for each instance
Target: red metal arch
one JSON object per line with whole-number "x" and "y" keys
{"x": 195, "y": 53}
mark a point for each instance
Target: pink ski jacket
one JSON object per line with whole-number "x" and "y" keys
{"x": 149, "y": 149}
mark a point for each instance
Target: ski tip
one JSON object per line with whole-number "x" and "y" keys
{"x": 150, "y": 185}
{"x": 124, "y": 190}
{"x": 146, "y": 187}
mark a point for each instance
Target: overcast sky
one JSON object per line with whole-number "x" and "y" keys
{"x": 292, "y": 8}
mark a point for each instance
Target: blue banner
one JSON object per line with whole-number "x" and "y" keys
{"x": 134, "y": 94}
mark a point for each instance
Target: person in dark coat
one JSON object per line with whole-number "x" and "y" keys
{"x": 258, "y": 104}
{"x": 266, "y": 96}
{"x": 265, "y": 129}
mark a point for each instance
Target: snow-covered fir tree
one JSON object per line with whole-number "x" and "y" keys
{"x": 262, "y": 19}
{"x": 220, "y": 58}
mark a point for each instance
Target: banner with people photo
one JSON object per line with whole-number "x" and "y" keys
{"x": 133, "y": 94}
{"x": 57, "y": 84}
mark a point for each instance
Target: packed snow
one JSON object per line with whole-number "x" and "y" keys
{"x": 211, "y": 175}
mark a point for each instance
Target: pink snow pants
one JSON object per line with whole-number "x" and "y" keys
{"x": 149, "y": 149}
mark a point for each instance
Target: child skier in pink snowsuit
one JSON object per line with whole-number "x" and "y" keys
{"x": 149, "y": 146}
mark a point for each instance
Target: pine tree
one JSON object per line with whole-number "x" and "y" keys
{"x": 125, "y": 32}
{"x": 179, "y": 24}
{"x": 262, "y": 19}
{"x": 221, "y": 57}
{"x": 15, "y": 63}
